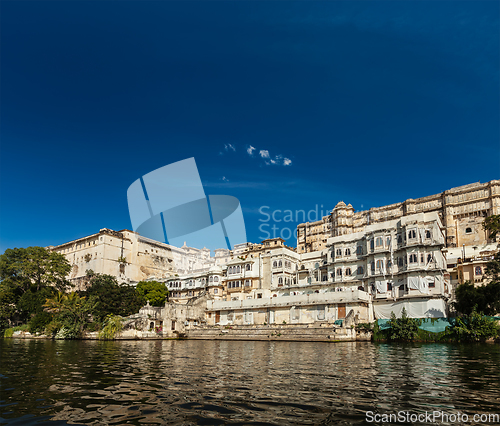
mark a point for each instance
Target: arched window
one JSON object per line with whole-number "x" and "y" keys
{"x": 468, "y": 230}
{"x": 211, "y": 279}
{"x": 280, "y": 264}
{"x": 249, "y": 267}
{"x": 275, "y": 264}
{"x": 478, "y": 270}
{"x": 380, "y": 264}
{"x": 388, "y": 241}
{"x": 339, "y": 252}
{"x": 339, "y": 272}
{"x": 427, "y": 234}
{"x": 216, "y": 279}
{"x": 379, "y": 242}
{"x": 280, "y": 280}
{"x": 237, "y": 269}
{"x": 429, "y": 258}
{"x": 360, "y": 270}
{"x": 412, "y": 234}
{"x": 347, "y": 251}
{"x": 359, "y": 250}
{"x": 361, "y": 288}
{"x": 348, "y": 272}
{"x": 413, "y": 258}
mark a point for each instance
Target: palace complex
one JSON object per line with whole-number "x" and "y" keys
{"x": 358, "y": 265}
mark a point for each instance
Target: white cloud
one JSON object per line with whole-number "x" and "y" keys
{"x": 264, "y": 153}
{"x": 225, "y": 179}
{"x": 287, "y": 162}
{"x": 250, "y": 150}
{"x": 229, "y": 147}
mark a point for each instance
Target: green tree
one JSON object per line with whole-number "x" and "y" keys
{"x": 153, "y": 291}
{"x": 34, "y": 268}
{"x": 474, "y": 327}
{"x": 492, "y": 224}
{"x": 112, "y": 297}
{"x": 72, "y": 313}
{"x": 25, "y": 270}
{"x": 403, "y": 329}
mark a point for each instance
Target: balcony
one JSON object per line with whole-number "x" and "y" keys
{"x": 298, "y": 300}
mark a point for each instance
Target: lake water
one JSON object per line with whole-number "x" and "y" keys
{"x": 230, "y": 382}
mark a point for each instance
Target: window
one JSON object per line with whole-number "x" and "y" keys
{"x": 468, "y": 230}
{"x": 400, "y": 239}
{"x": 432, "y": 284}
{"x": 400, "y": 261}
{"x": 324, "y": 278}
{"x": 280, "y": 280}
{"x": 478, "y": 271}
{"x": 373, "y": 266}
{"x": 379, "y": 242}
{"x": 237, "y": 269}
{"x": 412, "y": 234}
{"x": 359, "y": 250}
{"x": 259, "y": 295}
{"x": 347, "y": 252}
{"x": 211, "y": 279}
{"x": 339, "y": 252}
{"x": 421, "y": 258}
{"x": 389, "y": 286}
{"x": 249, "y": 267}
{"x": 216, "y": 291}
{"x": 280, "y": 264}
{"x": 348, "y": 272}
{"x": 413, "y": 258}
{"x": 372, "y": 244}
{"x": 388, "y": 242}
{"x": 247, "y": 283}
{"x": 360, "y": 270}
{"x": 380, "y": 264}
{"x": 339, "y": 272}
{"x": 216, "y": 279}
{"x": 429, "y": 258}
{"x": 275, "y": 264}
{"x": 427, "y": 234}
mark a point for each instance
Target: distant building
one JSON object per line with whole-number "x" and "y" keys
{"x": 461, "y": 210}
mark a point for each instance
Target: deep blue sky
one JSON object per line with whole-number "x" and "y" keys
{"x": 372, "y": 102}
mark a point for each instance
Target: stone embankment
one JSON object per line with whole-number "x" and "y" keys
{"x": 285, "y": 332}
{"x": 306, "y": 333}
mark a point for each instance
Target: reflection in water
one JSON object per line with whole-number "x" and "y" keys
{"x": 230, "y": 382}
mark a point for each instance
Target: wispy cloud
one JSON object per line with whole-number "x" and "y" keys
{"x": 225, "y": 179}
{"x": 264, "y": 154}
{"x": 277, "y": 160}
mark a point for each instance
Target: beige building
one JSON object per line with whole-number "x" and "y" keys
{"x": 461, "y": 211}
{"x": 131, "y": 258}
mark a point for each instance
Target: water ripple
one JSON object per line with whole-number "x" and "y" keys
{"x": 240, "y": 383}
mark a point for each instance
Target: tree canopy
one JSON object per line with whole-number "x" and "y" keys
{"x": 153, "y": 291}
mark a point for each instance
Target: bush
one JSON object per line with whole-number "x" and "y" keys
{"x": 474, "y": 328}
{"x": 9, "y": 332}
{"x": 39, "y": 322}
{"x": 113, "y": 325}
{"x": 403, "y": 329}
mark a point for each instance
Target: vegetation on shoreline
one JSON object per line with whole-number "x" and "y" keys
{"x": 35, "y": 293}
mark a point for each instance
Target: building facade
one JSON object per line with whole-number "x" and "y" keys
{"x": 461, "y": 211}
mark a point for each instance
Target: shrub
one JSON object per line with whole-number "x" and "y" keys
{"x": 403, "y": 329}
{"x": 9, "y": 332}
{"x": 39, "y": 322}
{"x": 474, "y": 328}
{"x": 113, "y": 325}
